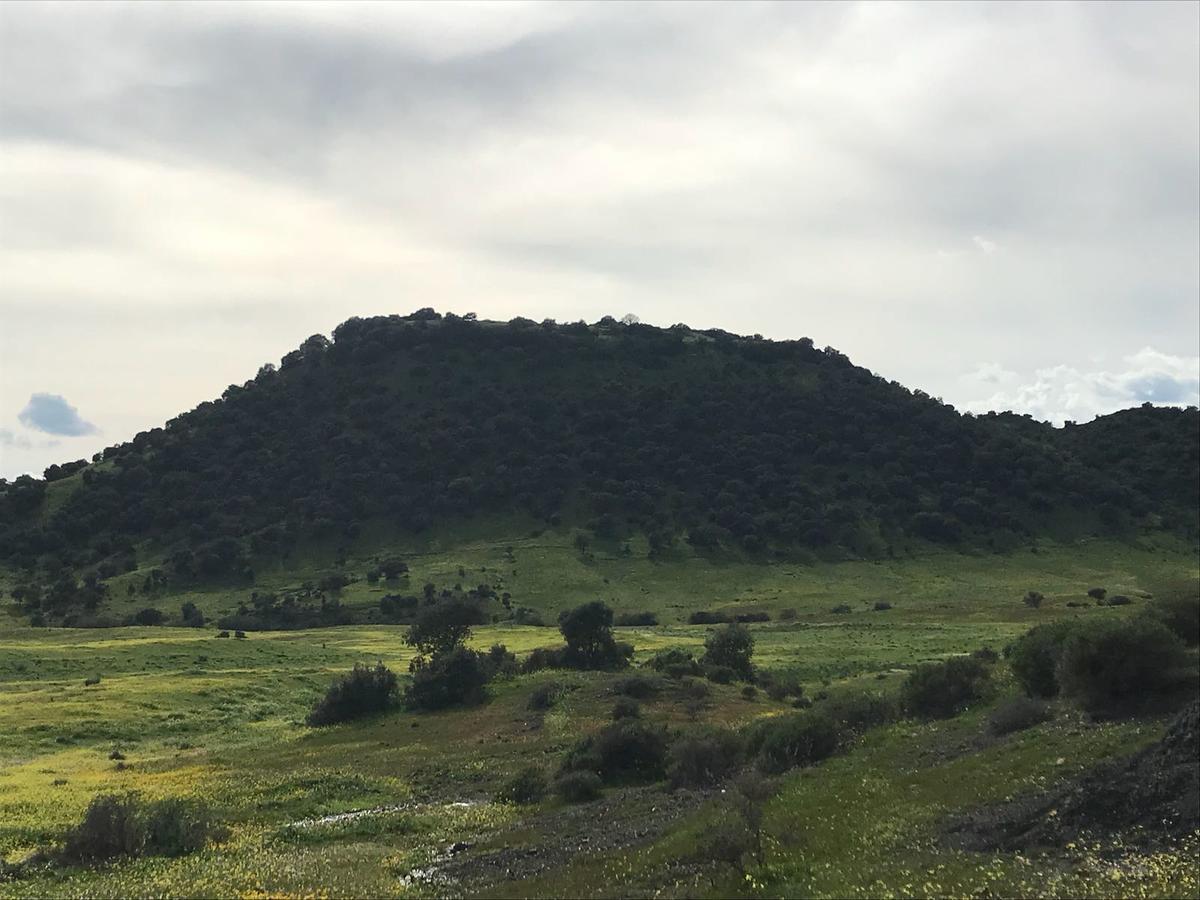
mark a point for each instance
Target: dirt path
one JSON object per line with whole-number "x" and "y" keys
{"x": 550, "y": 840}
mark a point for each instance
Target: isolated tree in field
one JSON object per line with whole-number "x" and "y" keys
{"x": 1033, "y": 599}
{"x": 441, "y": 628}
{"x": 588, "y": 632}
{"x": 730, "y": 646}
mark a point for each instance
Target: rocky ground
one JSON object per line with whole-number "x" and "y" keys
{"x": 1152, "y": 796}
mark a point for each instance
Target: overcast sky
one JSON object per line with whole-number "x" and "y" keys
{"x": 996, "y": 203}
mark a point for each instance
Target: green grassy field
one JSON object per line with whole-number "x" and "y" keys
{"x": 546, "y": 573}
{"x": 222, "y": 720}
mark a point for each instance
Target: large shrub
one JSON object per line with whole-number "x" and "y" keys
{"x": 703, "y": 758}
{"x": 859, "y": 712}
{"x": 785, "y": 742}
{"x": 626, "y": 750}
{"x": 675, "y": 663}
{"x": 731, "y": 647}
{"x": 125, "y": 825}
{"x": 1018, "y": 714}
{"x": 1034, "y": 657}
{"x": 527, "y": 786}
{"x": 578, "y": 787}
{"x": 454, "y": 678}
{"x": 364, "y": 691}
{"x": 943, "y": 689}
{"x": 1120, "y": 666}
{"x": 1180, "y": 612}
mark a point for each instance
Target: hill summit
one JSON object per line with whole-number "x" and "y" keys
{"x": 732, "y": 444}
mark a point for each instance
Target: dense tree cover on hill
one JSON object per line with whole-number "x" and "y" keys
{"x": 732, "y": 444}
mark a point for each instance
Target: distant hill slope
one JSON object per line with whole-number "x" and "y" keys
{"x": 731, "y": 443}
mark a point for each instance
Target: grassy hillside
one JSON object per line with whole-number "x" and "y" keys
{"x": 672, "y": 442}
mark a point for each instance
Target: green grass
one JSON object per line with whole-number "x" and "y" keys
{"x": 546, "y": 573}
{"x": 222, "y": 720}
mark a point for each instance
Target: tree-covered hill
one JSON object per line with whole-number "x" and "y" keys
{"x": 733, "y": 444}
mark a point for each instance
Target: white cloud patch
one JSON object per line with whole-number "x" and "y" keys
{"x": 985, "y": 246}
{"x": 1061, "y": 393}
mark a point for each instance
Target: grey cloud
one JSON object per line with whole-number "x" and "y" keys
{"x": 52, "y": 414}
{"x": 9, "y": 438}
{"x": 923, "y": 186}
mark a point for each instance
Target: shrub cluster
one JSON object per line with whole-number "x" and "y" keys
{"x": 703, "y": 758}
{"x": 628, "y": 750}
{"x": 126, "y": 825}
{"x": 1107, "y": 667}
{"x": 527, "y": 786}
{"x": 1018, "y": 714}
{"x": 786, "y": 742}
{"x": 365, "y": 690}
{"x": 943, "y": 689}
{"x": 675, "y": 663}
{"x": 642, "y": 618}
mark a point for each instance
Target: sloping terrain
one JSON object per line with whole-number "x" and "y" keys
{"x": 737, "y": 446}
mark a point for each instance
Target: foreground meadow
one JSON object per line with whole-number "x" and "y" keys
{"x": 183, "y": 712}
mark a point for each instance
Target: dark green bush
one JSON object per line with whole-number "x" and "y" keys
{"x": 149, "y": 616}
{"x": 544, "y": 658}
{"x": 642, "y": 618}
{"x": 578, "y": 787}
{"x": 943, "y": 689}
{"x": 527, "y": 786}
{"x": 637, "y": 686}
{"x": 841, "y": 609}
{"x": 364, "y": 691}
{"x": 706, "y": 617}
{"x": 857, "y": 713}
{"x": 731, "y": 647}
{"x": 1180, "y": 612}
{"x": 1017, "y": 715}
{"x": 125, "y": 825}
{"x": 799, "y": 739}
{"x": 882, "y": 605}
{"x": 176, "y": 827}
{"x": 543, "y": 697}
{"x": 626, "y": 750}
{"x": 626, "y": 708}
{"x": 720, "y": 674}
{"x": 675, "y": 663}
{"x": 1034, "y": 657}
{"x": 454, "y": 678}
{"x": 703, "y": 758}
{"x": 587, "y": 630}
{"x": 1111, "y": 667}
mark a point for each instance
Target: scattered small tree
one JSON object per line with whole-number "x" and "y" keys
{"x": 588, "y": 633}
{"x": 443, "y": 627}
{"x": 1033, "y": 599}
{"x": 731, "y": 646}
{"x": 1034, "y": 657}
